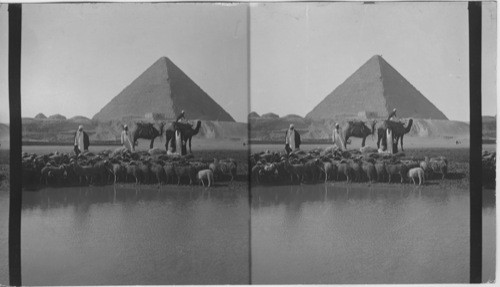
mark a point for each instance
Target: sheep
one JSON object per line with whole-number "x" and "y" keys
{"x": 295, "y": 170}
{"x": 267, "y": 171}
{"x": 88, "y": 171}
{"x": 185, "y": 170}
{"x": 256, "y": 172}
{"x": 330, "y": 170}
{"x": 345, "y": 169}
{"x": 396, "y": 169}
{"x": 381, "y": 172}
{"x": 169, "y": 171}
{"x": 145, "y": 171}
{"x": 101, "y": 168}
{"x": 416, "y": 172}
{"x": 369, "y": 170}
{"x": 357, "y": 170}
{"x": 313, "y": 168}
{"x": 52, "y": 171}
{"x": 117, "y": 170}
{"x": 158, "y": 171}
{"x": 438, "y": 165}
{"x": 411, "y": 163}
{"x": 226, "y": 167}
{"x": 206, "y": 174}
{"x": 134, "y": 171}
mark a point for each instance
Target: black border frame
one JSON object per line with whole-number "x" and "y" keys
{"x": 475, "y": 149}
{"x": 15, "y": 20}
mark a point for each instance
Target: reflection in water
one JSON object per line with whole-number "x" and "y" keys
{"x": 135, "y": 235}
{"x": 359, "y": 234}
{"x": 4, "y": 232}
{"x": 489, "y": 236}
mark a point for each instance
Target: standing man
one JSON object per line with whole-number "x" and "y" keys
{"x": 292, "y": 140}
{"x": 178, "y": 134}
{"x": 81, "y": 141}
{"x": 125, "y": 139}
{"x": 390, "y": 142}
{"x": 338, "y": 138}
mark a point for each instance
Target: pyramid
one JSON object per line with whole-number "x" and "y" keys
{"x": 373, "y": 91}
{"x": 163, "y": 89}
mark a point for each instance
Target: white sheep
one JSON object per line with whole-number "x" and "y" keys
{"x": 417, "y": 172}
{"x": 206, "y": 174}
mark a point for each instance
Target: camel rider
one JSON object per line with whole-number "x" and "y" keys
{"x": 180, "y": 117}
{"x": 125, "y": 139}
{"x": 292, "y": 140}
{"x": 81, "y": 141}
{"x": 392, "y": 115}
{"x": 338, "y": 138}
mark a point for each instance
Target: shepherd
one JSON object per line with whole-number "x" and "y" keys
{"x": 390, "y": 142}
{"x": 81, "y": 141}
{"x": 178, "y": 135}
{"x": 292, "y": 140}
{"x": 125, "y": 139}
{"x": 338, "y": 138}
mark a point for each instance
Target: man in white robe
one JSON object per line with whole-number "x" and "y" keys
{"x": 390, "y": 142}
{"x": 178, "y": 142}
{"x": 338, "y": 138}
{"x": 79, "y": 140}
{"x": 125, "y": 139}
{"x": 292, "y": 139}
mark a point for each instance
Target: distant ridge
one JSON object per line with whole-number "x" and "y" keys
{"x": 373, "y": 91}
{"x": 163, "y": 89}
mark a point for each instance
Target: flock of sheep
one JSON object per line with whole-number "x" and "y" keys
{"x": 332, "y": 164}
{"x": 156, "y": 167}
{"x": 145, "y": 167}
{"x": 489, "y": 168}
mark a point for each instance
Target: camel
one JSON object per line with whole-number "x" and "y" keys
{"x": 146, "y": 131}
{"x": 398, "y": 131}
{"x": 357, "y": 129}
{"x": 187, "y": 133}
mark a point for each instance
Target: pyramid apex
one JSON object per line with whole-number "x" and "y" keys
{"x": 163, "y": 59}
{"x": 376, "y": 57}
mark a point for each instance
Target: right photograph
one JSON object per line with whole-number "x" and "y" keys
{"x": 359, "y": 138}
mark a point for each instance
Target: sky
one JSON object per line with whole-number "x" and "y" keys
{"x": 77, "y": 57}
{"x": 301, "y": 52}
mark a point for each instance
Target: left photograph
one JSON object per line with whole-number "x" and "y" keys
{"x": 134, "y": 131}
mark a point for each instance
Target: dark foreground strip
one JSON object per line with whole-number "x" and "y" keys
{"x": 15, "y": 11}
{"x": 475, "y": 142}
